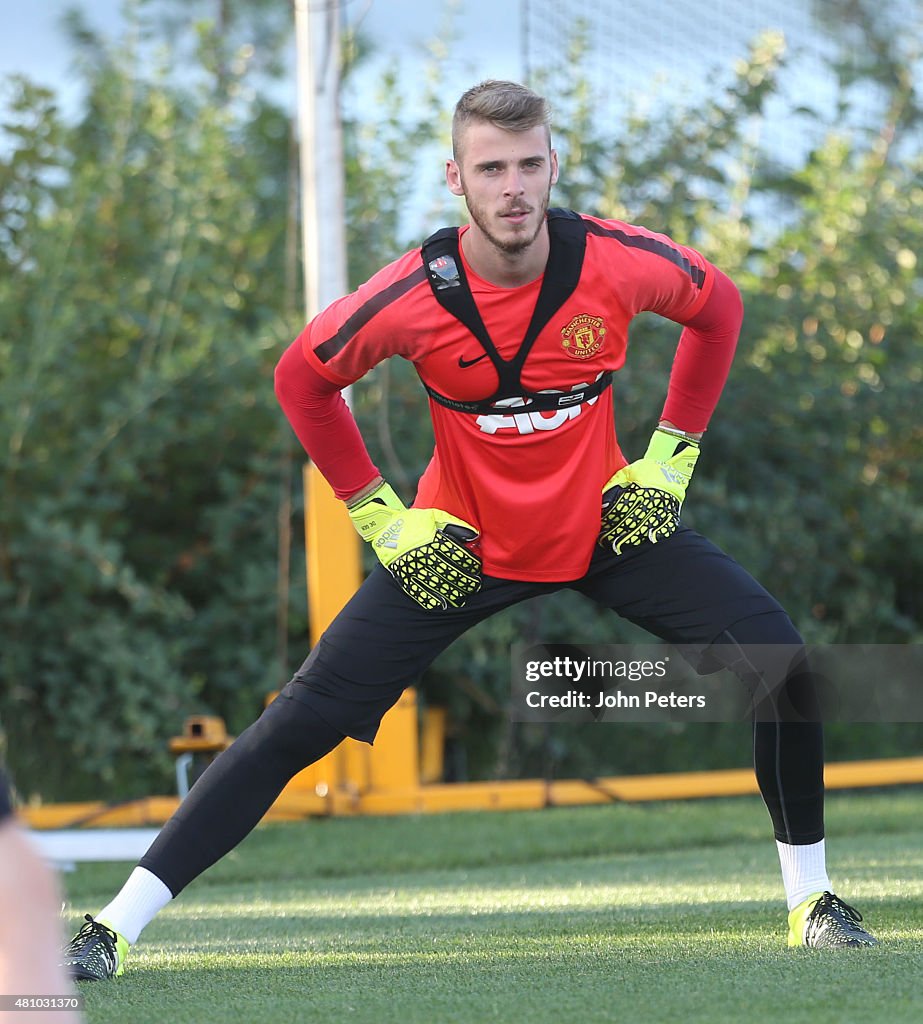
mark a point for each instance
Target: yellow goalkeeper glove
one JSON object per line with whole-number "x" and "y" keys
{"x": 423, "y": 548}
{"x": 643, "y": 500}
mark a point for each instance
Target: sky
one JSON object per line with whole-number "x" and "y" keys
{"x": 33, "y": 43}
{"x": 650, "y": 49}
{"x": 644, "y": 47}
{"x": 642, "y": 52}
{"x": 682, "y": 45}
{"x": 646, "y": 54}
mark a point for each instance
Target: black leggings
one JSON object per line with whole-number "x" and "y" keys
{"x": 683, "y": 590}
{"x": 237, "y": 789}
{"x": 788, "y": 737}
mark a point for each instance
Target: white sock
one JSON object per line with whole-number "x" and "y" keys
{"x": 804, "y": 871}
{"x": 139, "y": 901}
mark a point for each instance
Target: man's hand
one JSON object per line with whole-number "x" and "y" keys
{"x": 422, "y": 548}
{"x": 642, "y": 501}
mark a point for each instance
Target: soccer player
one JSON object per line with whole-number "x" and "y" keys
{"x": 517, "y": 325}
{"x": 29, "y": 927}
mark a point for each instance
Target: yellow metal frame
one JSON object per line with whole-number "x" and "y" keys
{"x": 529, "y": 794}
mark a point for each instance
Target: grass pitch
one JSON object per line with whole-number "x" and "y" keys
{"x": 655, "y": 913}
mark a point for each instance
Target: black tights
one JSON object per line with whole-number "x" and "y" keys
{"x": 683, "y": 590}
{"x": 241, "y": 784}
{"x": 788, "y": 737}
{"x": 237, "y": 789}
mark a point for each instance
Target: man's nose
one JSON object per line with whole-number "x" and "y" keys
{"x": 512, "y": 185}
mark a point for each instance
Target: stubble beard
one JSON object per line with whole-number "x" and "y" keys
{"x": 510, "y": 246}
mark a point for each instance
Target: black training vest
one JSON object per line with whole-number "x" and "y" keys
{"x": 441, "y": 258}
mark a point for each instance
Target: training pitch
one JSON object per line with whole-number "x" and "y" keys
{"x": 636, "y": 913}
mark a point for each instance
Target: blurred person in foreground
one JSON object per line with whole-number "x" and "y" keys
{"x": 30, "y": 929}
{"x": 517, "y": 324}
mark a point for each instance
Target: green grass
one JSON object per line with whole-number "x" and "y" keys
{"x": 630, "y": 913}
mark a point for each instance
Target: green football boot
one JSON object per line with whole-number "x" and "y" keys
{"x": 95, "y": 953}
{"x": 824, "y": 921}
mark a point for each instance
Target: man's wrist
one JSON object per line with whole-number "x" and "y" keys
{"x": 671, "y": 428}
{"x": 375, "y": 510}
{"x": 361, "y": 495}
{"x": 674, "y": 447}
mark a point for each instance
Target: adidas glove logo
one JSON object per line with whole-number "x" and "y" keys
{"x": 672, "y": 474}
{"x": 390, "y": 537}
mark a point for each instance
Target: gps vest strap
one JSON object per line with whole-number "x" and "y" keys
{"x": 446, "y": 273}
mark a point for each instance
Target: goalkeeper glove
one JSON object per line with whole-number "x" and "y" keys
{"x": 422, "y": 548}
{"x": 642, "y": 501}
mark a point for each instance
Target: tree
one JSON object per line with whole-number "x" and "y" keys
{"x": 147, "y": 286}
{"x": 144, "y": 251}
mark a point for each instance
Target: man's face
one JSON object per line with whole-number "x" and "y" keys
{"x": 506, "y": 179}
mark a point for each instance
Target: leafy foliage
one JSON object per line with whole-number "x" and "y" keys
{"x": 142, "y": 444}
{"x": 147, "y": 289}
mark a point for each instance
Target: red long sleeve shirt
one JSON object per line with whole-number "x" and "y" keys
{"x": 530, "y": 482}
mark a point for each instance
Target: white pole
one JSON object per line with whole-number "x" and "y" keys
{"x": 317, "y": 34}
{"x": 331, "y": 544}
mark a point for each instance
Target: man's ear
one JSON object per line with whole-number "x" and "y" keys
{"x": 453, "y": 178}
{"x": 554, "y": 166}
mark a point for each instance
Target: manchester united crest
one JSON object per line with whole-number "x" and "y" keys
{"x": 583, "y": 336}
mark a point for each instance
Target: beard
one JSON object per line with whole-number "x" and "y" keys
{"x": 517, "y": 243}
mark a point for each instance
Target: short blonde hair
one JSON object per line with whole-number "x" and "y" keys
{"x": 507, "y": 105}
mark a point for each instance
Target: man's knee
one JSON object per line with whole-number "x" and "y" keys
{"x": 291, "y": 732}
{"x": 346, "y": 712}
{"x": 769, "y": 628}
{"x": 767, "y": 653}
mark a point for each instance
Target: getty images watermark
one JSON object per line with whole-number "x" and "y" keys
{"x": 719, "y": 683}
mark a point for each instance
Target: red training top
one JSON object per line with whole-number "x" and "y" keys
{"x": 530, "y": 482}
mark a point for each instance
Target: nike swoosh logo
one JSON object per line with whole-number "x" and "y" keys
{"x": 464, "y": 363}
